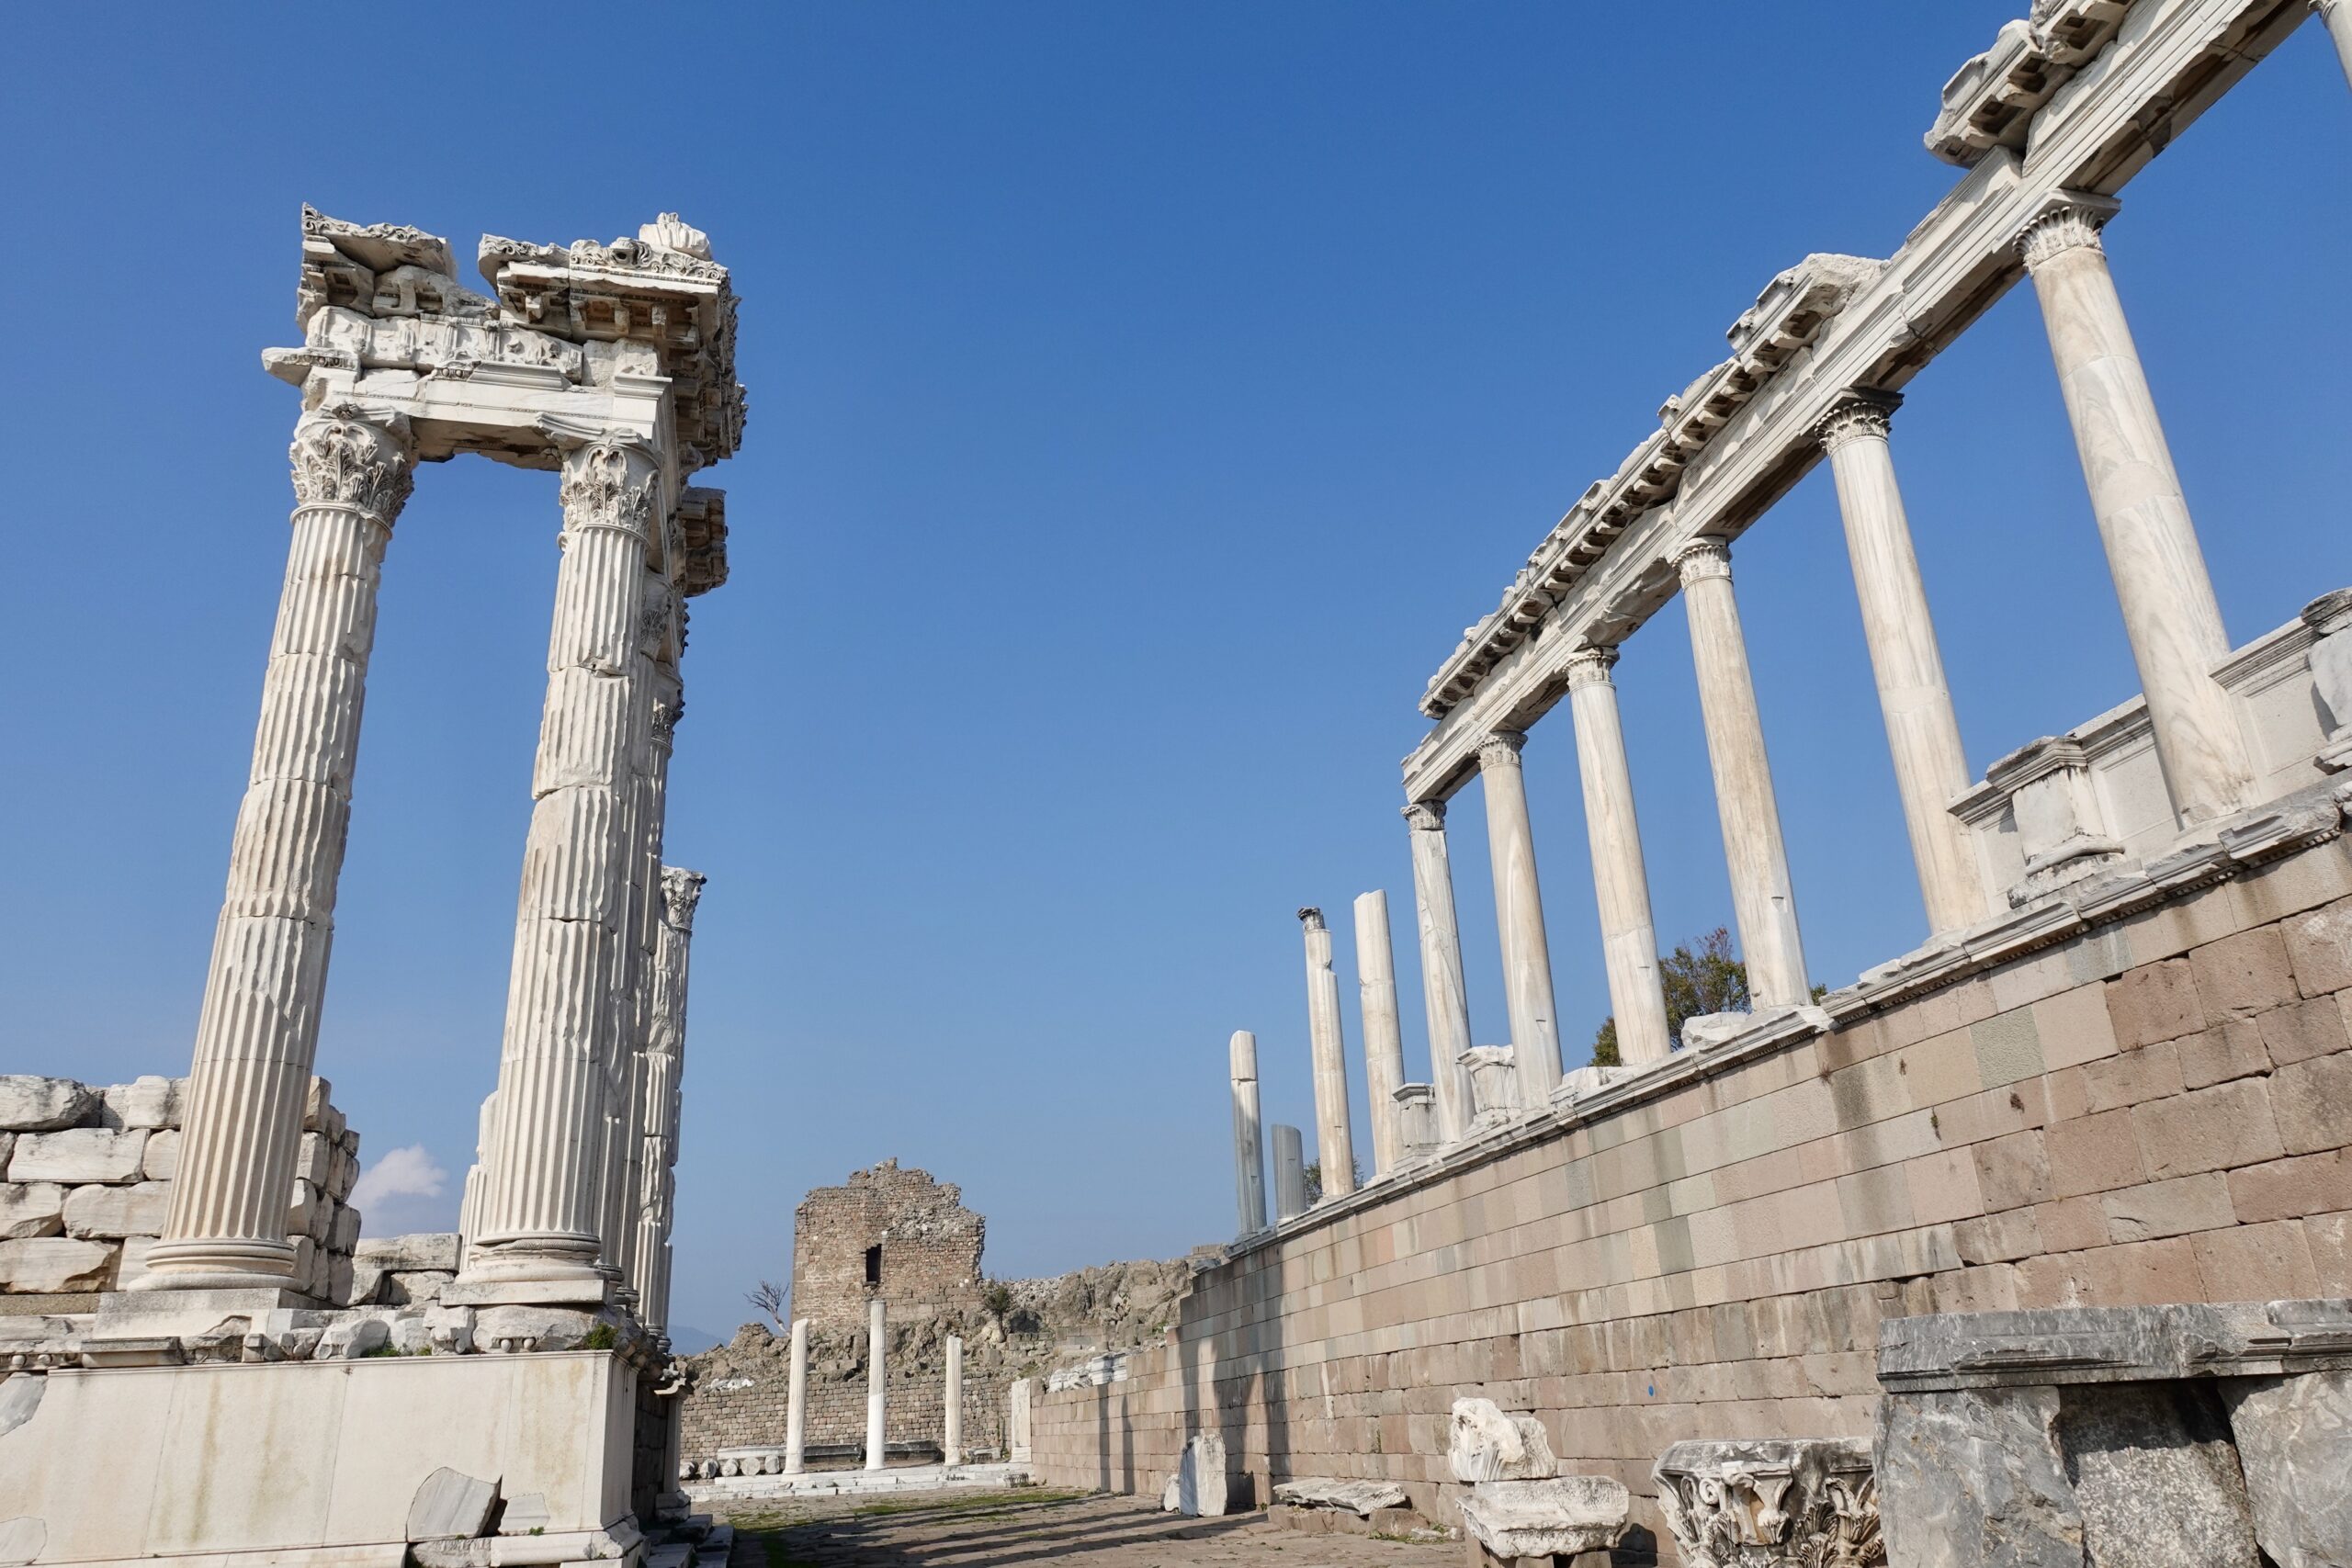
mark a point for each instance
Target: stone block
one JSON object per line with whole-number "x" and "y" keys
{"x": 2208, "y": 1129}
{"x": 2243, "y": 975}
{"x": 2012, "y": 1171}
{"x": 1558, "y": 1516}
{"x": 116, "y": 1211}
{"x": 414, "y": 1288}
{"x": 48, "y": 1265}
{"x": 2075, "y": 1027}
{"x": 162, "y": 1160}
{"x": 31, "y": 1209}
{"x": 30, "y": 1103}
{"x": 2288, "y": 1188}
{"x": 2319, "y": 948}
{"x": 79, "y": 1155}
{"x": 2245, "y": 1263}
{"x": 2199, "y": 1203}
{"x": 2155, "y": 1478}
{"x": 316, "y": 1103}
{"x": 345, "y": 1237}
{"x": 2302, "y": 1030}
{"x": 2092, "y": 1154}
{"x": 149, "y": 1101}
{"x": 425, "y": 1251}
{"x": 2155, "y": 1001}
{"x": 1200, "y": 1480}
{"x": 2312, "y": 1101}
{"x": 451, "y": 1505}
{"x": 1359, "y": 1497}
{"x": 314, "y": 1159}
{"x": 1974, "y": 1479}
{"x": 2291, "y": 1442}
{"x": 2071, "y": 1225}
{"x": 2232, "y": 1049}
{"x": 2151, "y": 1072}
{"x": 131, "y": 1262}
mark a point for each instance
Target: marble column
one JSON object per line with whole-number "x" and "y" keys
{"x": 1249, "y": 1156}
{"x": 1519, "y": 920}
{"x": 1761, "y": 900}
{"x": 1334, "y": 1138}
{"x": 1922, "y": 732}
{"x": 951, "y": 1442}
{"x": 257, "y": 1036}
{"x": 2336, "y": 16}
{"x": 1383, "y": 1033}
{"x": 2169, "y": 612}
{"x": 628, "y": 1113}
{"x": 877, "y": 1442}
{"x": 542, "y": 1204}
{"x": 1445, "y": 995}
{"x": 662, "y": 1069}
{"x": 1290, "y": 1172}
{"x": 1620, "y": 883}
{"x": 796, "y": 1409}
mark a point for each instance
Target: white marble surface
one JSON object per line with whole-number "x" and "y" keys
{"x": 1384, "y": 1035}
{"x": 1334, "y": 1137}
{"x": 796, "y": 1410}
{"x": 1248, "y": 1145}
{"x": 1445, "y": 993}
{"x": 1519, "y": 920}
{"x": 1621, "y": 882}
{"x": 877, "y": 1384}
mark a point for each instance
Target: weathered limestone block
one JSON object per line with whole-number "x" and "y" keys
{"x": 2155, "y": 1477}
{"x": 79, "y": 1155}
{"x": 425, "y": 1251}
{"x": 1748, "y": 1503}
{"x": 1489, "y": 1444}
{"x": 1201, "y": 1487}
{"x": 1556, "y": 1516}
{"x": 1973, "y": 1478}
{"x": 148, "y": 1101}
{"x": 31, "y": 1209}
{"x": 45, "y": 1265}
{"x": 2294, "y": 1440}
{"x": 33, "y": 1104}
{"x": 162, "y": 1160}
{"x": 1354, "y": 1496}
{"x": 451, "y": 1505}
{"x": 114, "y": 1212}
{"x": 413, "y": 1289}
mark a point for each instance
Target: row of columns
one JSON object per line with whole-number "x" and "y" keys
{"x": 2171, "y": 617}
{"x": 795, "y": 1413}
{"x": 571, "y": 1201}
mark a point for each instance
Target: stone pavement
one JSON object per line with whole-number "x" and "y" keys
{"x": 1005, "y": 1529}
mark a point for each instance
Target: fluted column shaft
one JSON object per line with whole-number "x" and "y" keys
{"x": 1290, "y": 1172}
{"x": 1762, "y": 901}
{"x": 1519, "y": 920}
{"x": 1445, "y": 993}
{"x": 950, "y": 1441}
{"x": 257, "y": 1036}
{"x": 1922, "y": 731}
{"x": 1334, "y": 1138}
{"x": 796, "y": 1409}
{"x": 1383, "y": 1035}
{"x": 542, "y": 1206}
{"x": 876, "y": 1408}
{"x": 2337, "y": 15}
{"x": 662, "y": 1070}
{"x": 1249, "y": 1150}
{"x": 1620, "y": 883}
{"x": 2169, "y": 612}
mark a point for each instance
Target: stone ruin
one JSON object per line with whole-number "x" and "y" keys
{"x": 181, "y": 1267}
{"x": 887, "y": 1234}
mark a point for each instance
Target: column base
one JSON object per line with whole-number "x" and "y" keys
{"x": 217, "y": 1263}
{"x": 588, "y": 1292}
{"x": 142, "y": 1314}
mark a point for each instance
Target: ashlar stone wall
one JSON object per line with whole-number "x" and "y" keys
{"x": 85, "y": 1179}
{"x": 2149, "y": 1109}
{"x": 929, "y": 1249}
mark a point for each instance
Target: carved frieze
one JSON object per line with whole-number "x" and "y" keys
{"x": 1990, "y": 101}
{"x": 1776, "y": 1503}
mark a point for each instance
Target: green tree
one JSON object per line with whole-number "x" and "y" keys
{"x": 1314, "y": 1174}
{"x": 1701, "y": 978}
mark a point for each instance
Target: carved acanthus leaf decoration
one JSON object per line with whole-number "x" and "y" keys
{"x": 343, "y": 456}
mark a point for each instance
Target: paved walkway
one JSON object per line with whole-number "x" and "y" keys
{"x": 1006, "y": 1529}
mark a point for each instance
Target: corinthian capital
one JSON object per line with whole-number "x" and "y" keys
{"x": 2067, "y": 219}
{"x": 1500, "y": 750}
{"x": 681, "y": 891}
{"x": 1702, "y": 558}
{"x": 609, "y": 483}
{"x": 1590, "y": 667}
{"x": 344, "y": 455}
{"x": 1426, "y": 816}
{"x": 1864, "y": 412}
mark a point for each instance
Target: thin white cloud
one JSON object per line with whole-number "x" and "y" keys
{"x": 406, "y": 1172}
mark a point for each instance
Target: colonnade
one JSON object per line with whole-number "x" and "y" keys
{"x": 2170, "y": 615}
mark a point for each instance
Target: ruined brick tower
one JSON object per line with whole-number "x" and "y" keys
{"x": 890, "y": 1233}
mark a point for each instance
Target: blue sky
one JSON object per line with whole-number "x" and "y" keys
{"x": 1142, "y": 400}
